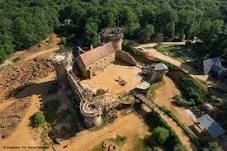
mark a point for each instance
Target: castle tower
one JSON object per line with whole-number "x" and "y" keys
{"x": 114, "y": 35}
{"x": 59, "y": 67}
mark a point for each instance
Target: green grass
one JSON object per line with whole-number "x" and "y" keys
{"x": 183, "y": 53}
{"x": 185, "y": 128}
{"x": 152, "y": 90}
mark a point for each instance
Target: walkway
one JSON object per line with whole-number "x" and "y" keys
{"x": 153, "y": 53}
{"x": 178, "y": 130}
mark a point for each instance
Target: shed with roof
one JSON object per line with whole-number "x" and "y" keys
{"x": 210, "y": 125}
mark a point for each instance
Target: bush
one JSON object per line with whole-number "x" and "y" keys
{"x": 192, "y": 89}
{"x": 38, "y": 119}
{"x": 179, "y": 147}
{"x": 182, "y": 102}
{"x": 187, "y": 131}
{"x": 160, "y": 135}
{"x": 213, "y": 146}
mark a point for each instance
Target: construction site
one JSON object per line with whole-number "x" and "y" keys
{"x": 88, "y": 97}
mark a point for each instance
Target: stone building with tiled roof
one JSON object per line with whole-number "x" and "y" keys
{"x": 94, "y": 61}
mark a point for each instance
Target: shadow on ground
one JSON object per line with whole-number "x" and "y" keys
{"x": 60, "y": 108}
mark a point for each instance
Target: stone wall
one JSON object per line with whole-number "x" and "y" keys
{"x": 75, "y": 85}
{"x": 125, "y": 57}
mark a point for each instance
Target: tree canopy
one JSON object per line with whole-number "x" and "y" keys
{"x": 32, "y": 20}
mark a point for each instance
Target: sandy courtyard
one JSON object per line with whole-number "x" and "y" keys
{"x": 106, "y": 79}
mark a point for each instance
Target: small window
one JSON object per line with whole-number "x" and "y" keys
{"x": 89, "y": 67}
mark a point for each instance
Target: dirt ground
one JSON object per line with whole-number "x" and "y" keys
{"x": 163, "y": 97}
{"x": 20, "y": 78}
{"x": 24, "y": 135}
{"x": 129, "y": 126}
{"x": 153, "y": 53}
{"x": 106, "y": 79}
{"x": 50, "y": 44}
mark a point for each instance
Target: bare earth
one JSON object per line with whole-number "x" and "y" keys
{"x": 106, "y": 79}
{"x": 24, "y": 135}
{"x": 163, "y": 97}
{"x": 153, "y": 53}
{"x": 129, "y": 126}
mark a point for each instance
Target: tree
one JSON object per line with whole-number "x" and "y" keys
{"x": 38, "y": 119}
{"x": 166, "y": 21}
{"x": 146, "y": 33}
{"x": 129, "y": 20}
{"x": 179, "y": 147}
{"x": 160, "y": 135}
{"x": 193, "y": 90}
{"x": 159, "y": 38}
{"x": 91, "y": 33}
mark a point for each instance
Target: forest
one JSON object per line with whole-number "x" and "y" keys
{"x": 26, "y": 22}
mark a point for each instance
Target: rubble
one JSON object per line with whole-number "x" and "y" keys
{"x": 24, "y": 74}
{"x": 12, "y": 115}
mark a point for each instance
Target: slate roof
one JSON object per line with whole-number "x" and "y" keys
{"x": 93, "y": 55}
{"x": 160, "y": 66}
{"x": 208, "y": 123}
{"x": 209, "y": 64}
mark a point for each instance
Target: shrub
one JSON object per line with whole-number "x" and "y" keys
{"x": 179, "y": 147}
{"x": 182, "y": 102}
{"x": 213, "y": 146}
{"x": 192, "y": 89}
{"x": 187, "y": 131}
{"x": 38, "y": 119}
{"x": 160, "y": 135}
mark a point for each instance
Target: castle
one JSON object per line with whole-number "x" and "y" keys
{"x": 91, "y": 104}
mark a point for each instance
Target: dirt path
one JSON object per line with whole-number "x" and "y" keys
{"x": 180, "y": 133}
{"x": 149, "y": 45}
{"x": 35, "y": 51}
{"x": 153, "y": 53}
{"x": 163, "y": 97}
{"x": 129, "y": 126}
{"x": 28, "y": 57}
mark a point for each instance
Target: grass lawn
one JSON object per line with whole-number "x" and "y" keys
{"x": 181, "y": 52}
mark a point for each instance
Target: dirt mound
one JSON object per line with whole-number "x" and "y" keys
{"x": 24, "y": 74}
{"x": 12, "y": 115}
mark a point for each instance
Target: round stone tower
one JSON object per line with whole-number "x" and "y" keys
{"x": 114, "y": 35}
{"x": 91, "y": 114}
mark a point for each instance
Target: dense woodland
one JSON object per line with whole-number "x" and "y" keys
{"x": 26, "y": 22}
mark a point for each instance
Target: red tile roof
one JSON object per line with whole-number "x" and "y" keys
{"x": 93, "y": 55}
